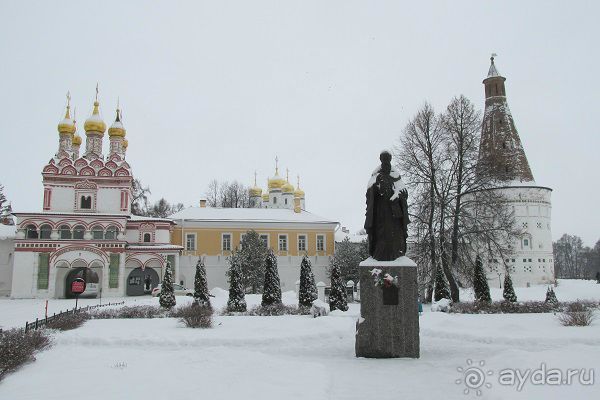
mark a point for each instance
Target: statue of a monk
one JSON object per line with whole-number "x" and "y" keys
{"x": 387, "y": 212}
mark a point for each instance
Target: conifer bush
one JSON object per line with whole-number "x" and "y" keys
{"x": 237, "y": 300}
{"x": 480, "y": 283}
{"x": 337, "y": 295}
{"x": 551, "y": 299}
{"x": 272, "y": 288}
{"x": 441, "y": 291}
{"x": 509, "y": 292}
{"x": 308, "y": 289}
{"x": 201, "y": 294}
{"x": 167, "y": 295}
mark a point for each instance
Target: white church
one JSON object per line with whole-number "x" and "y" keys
{"x": 86, "y": 228}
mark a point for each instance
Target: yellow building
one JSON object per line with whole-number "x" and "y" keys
{"x": 213, "y": 232}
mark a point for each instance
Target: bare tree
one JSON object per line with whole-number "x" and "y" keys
{"x": 227, "y": 195}
{"x": 139, "y": 198}
{"x": 162, "y": 209}
{"x": 419, "y": 157}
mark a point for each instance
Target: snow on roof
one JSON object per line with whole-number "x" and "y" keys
{"x": 248, "y": 215}
{"x": 154, "y": 247}
{"x": 7, "y": 231}
{"x": 142, "y": 218}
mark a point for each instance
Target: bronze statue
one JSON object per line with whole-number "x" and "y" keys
{"x": 387, "y": 212}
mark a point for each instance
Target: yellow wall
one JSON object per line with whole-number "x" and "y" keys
{"x": 208, "y": 240}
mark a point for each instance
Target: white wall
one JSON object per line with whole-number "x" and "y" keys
{"x": 6, "y": 265}
{"x": 24, "y": 280}
{"x": 216, "y": 267}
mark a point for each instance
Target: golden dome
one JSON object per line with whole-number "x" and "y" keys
{"x": 76, "y": 140}
{"x": 255, "y": 191}
{"x": 298, "y": 193}
{"x": 287, "y": 188}
{"x": 66, "y": 125}
{"x": 117, "y": 129}
{"x": 276, "y": 182}
{"x": 94, "y": 122}
{"x": 265, "y": 197}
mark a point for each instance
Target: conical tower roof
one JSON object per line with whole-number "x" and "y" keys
{"x": 501, "y": 153}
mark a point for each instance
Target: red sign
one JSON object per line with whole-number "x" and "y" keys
{"x": 78, "y": 286}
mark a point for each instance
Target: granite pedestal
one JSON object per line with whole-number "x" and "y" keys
{"x": 389, "y": 316}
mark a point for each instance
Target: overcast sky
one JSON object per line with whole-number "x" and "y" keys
{"x": 218, "y": 89}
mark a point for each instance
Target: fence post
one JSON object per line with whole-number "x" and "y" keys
{"x": 36, "y": 323}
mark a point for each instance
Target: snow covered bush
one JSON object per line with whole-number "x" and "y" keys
{"x": 237, "y": 300}
{"x": 308, "y": 289}
{"x": 272, "y": 288}
{"x": 18, "y": 348}
{"x": 167, "y": 296}
{"x": 509, "y": 292}
{"x": 194, "y": 315}
{"x": 500, "y": 307}
{"x": 129, "y": 312}
{"x": 480, "y": 283}
{"x": 576, "y": 314}
{"x": 201, "y": 294}
{"x": 319, "y": 309}
{"x": 441, "y": 306}
{"x": 337, "y": 295}
{"x": 68, "y": 321}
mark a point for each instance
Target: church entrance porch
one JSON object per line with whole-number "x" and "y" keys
{"x": 141, "y": 281}
{"x": 92, "y": 280}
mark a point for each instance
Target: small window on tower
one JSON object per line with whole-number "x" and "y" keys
{"x": 147, "y": 237}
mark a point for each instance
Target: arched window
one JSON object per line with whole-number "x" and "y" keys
{"x": 86, "y": 202}
{"x": 31, "y": 232}
{"x": 147, "y": 237}
{"x": 65, "y": 232}
{"x": 111, "y": 233}
{"x": 45, "y": 231}
{"x": 274, "y": 200}
{"x": 97, "y": 232}
{"x": 78, "y": 232}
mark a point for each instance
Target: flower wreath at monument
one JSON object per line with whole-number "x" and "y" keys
{"x": 382, "y": 279}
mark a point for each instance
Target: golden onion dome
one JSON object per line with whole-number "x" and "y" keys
{"x": 94, "y": 122}
{"x": 76, "y": 140}
{"x": 255, "y": 191}
{"x": 67, "y": 125}
{"x": 117, "y": 129}
{"x": 287, "y": 187}
{"x": 276, "y": 182}
{"x": 265, "y": 197}
{"x": 298, "y": 193}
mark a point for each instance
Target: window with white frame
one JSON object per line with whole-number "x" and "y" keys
{"x": 226, "y": 242}
{"x": 190, "y": 242}
{"x": 320, "y": 242}
{"x": 283, "y": 244}
{"x": 301, "y": 242}
{"x": 264, "y": 237}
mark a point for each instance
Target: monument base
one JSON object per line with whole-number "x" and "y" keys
{"x": 389, "y": 312}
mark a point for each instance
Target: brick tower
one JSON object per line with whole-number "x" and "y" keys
{"x": 501, "y": 153}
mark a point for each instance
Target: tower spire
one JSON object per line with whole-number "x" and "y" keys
{"x": 276, "y": 165}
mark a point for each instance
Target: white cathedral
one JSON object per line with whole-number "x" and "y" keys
{"x": 532, "y": 260}
{"x": 86, "y": 228}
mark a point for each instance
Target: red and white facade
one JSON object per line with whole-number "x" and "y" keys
{"x": 86, "y": 228}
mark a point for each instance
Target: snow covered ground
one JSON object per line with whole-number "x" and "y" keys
{"x": 293, "y": 357}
